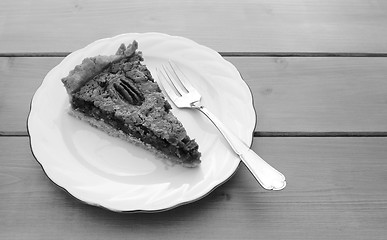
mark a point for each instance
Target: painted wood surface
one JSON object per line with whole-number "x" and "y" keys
{"x": 316, "y": 69}
{"x": 335, "y": 191}
{"x": 231, "y": 26}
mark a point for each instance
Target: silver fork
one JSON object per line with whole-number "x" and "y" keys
{"x": 177, "y": 86}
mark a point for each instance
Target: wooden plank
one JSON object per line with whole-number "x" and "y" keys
{"x": 335, "y": 191}
{"x": 290, "y": 94}
{"x": 268, "y": 26}
{"x": 317, "y": 94}
{"x": 19, "y": 79}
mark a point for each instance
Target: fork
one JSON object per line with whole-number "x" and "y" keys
{"x": 178, "y": 88}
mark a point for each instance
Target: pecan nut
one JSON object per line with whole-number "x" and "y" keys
{"x": 129, "y": 92}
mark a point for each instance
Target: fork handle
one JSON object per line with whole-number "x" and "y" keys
{"x": 266, "y": 175}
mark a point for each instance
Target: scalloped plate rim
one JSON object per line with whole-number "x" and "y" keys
{"x": 213, "y": 185}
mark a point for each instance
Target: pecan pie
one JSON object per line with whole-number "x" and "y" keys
{"x": 118, "y": 95}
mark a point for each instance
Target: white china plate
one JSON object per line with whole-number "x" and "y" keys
{"x": 110, "y": 173}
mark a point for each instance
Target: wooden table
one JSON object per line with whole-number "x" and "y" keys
{"x": 318, "y": 74}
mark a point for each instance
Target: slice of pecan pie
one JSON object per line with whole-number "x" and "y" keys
{"x": 118, "y": 95}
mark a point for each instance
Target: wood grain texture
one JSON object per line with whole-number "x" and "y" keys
{"x": 19, "y": 79}
{"x": 290, "y": 94}
{"x": 335, "y": 191}
{"x": 317, "y": 94}
{"x": 245, "y": 25}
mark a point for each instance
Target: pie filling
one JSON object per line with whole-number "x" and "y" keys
{"x": 186, "y": 149}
